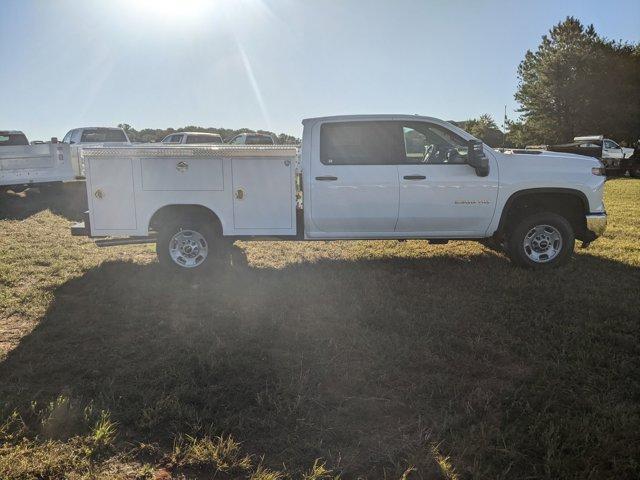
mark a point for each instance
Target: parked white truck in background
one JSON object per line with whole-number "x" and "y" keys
{"x": 363, "y": 177}
{"x": 95, "y": 136}
{"x": 22, "y": 165}
{"x": 616, "y": 159}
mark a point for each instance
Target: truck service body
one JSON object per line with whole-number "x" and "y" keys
{"x": 360, "y": 177}
{"x": 42, "y": 163}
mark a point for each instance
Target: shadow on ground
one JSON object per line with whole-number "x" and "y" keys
{"x": 371, "y": 365}
{"x": 68, "y": 200}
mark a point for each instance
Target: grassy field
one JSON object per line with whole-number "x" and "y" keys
{"x": 310, "y": 361}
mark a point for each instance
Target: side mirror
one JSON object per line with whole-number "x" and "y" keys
{"x": 477, "y": 159}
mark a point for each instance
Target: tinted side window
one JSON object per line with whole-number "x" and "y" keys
{"x": 356, "y": 143}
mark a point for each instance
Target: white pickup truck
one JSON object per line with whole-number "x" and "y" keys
{"x": 361, "y": 177}
{"x": 92, "y": 136}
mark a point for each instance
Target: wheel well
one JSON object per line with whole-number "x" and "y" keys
{"x": 172, "y": 213}
{"x": 568, "y": 204}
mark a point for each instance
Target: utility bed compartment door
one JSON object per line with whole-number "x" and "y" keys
{"x": 263, "y": 197}
{"x": 182, "y": 173}
{"x": 111, "y": 194}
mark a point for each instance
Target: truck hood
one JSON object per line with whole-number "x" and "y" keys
{"x": 548, "y": 161}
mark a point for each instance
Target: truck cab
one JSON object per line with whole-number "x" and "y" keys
{"x": 96, "y": 135}
{"x": 362, "y": 177}
{"x": 85, "y": 136}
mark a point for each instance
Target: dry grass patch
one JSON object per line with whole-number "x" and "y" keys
{"x": 384, "y": 359}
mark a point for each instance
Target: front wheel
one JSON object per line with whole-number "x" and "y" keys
{"x": 541, "y": 240}
{"x": 188, "y": 246}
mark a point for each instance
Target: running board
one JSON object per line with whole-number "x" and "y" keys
{"x": 112, "y": 242}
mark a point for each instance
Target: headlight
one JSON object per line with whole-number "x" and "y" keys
{"x": 600, "y": 171}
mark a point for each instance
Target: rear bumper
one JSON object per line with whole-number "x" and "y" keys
{"x": 596, "y": 223}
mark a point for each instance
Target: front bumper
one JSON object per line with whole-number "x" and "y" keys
{"x": 596, "y": 223}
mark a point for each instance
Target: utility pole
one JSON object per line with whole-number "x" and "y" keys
{"x": 504, "y": 126}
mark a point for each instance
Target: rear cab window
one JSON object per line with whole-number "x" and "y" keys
{"x": 8, "y": 139}
{"x": 204, "y": 139}
{"x": 102, "y": 135}
{"x": 258, "y": 140}
{"x": 357, "y": 143}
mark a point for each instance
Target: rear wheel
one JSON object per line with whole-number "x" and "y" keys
{"x": 188, "y": 245}
{"x": 541, "y": 240}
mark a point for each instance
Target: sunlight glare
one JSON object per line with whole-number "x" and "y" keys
{"x": 174, "y": 10}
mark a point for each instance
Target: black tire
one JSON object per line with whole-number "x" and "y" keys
{"x": 634, "y": 171}
{"x": 540, "y": 241}
{"x": 202, "y": 233}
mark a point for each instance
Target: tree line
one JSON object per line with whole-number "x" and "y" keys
{"x": 575, "y": 83}
{"x": 150, "y": 135}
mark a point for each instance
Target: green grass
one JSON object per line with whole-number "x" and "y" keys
{"x": 311, "y": 360}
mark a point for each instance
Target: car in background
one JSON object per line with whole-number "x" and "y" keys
{"x": 251, "y": 139}
{"x": 10, "y": 138}
{"x": 179, "y": 138}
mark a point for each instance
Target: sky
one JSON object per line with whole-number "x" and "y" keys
{"x": 267, "y": 64}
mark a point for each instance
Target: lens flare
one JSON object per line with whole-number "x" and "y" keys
{"x": 173, "y": 10}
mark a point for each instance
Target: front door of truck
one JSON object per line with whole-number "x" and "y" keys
{"x": 440, "y": 195}
{"x": 354, "y": 182}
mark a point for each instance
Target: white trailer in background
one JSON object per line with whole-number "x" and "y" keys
{"x": 25, "y": 165}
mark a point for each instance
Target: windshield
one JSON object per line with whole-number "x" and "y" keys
{"x": 10, "y": 139}
{"x": 102, "y": 135}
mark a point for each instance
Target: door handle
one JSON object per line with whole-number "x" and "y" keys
{"x": 327, "y": 178}
{"x": 415, "y": 177}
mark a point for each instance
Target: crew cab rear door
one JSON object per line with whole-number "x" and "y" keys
{"x": 353, "y": 181}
